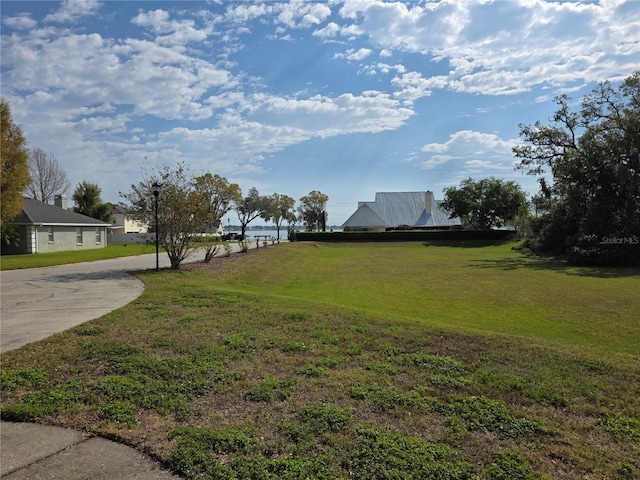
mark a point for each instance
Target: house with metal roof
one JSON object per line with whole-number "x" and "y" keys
{"x": 406, "y": 210}
{"x": 45, "y": 228}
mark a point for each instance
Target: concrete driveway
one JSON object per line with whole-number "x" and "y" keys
{"x": 38, "y": 302}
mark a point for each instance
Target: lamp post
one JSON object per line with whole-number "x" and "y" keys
{"x": 156, "y": 193}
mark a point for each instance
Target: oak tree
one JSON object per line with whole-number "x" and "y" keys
{"x": 313, "y": 210}
{"x": 486, "y": 203}
{"x": 588, "y": 166}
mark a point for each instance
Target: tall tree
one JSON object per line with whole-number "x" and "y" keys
{"x": 182, "y": 211}
{"x": 14, "y": 176}
{"x": 313, "y": 210}
{"x": 588, "y": 165}
{"x": 88, "y": 201}
{"x": 486, "y": 203}
{"x": 279, "y": 208}
{"x": 47, "y": 176}
{"x": 218, "y": 195}
{"x": 249, "y": 208}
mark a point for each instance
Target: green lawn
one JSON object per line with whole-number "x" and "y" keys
{"x": 15, "y": 262}
{"x": 367, "y": 361}
{"x": 490, "y": 289}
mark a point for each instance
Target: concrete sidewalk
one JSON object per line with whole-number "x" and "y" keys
{"x": 39, "y": 452}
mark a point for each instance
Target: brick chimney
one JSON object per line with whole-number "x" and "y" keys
{"x": 60, "y": 201}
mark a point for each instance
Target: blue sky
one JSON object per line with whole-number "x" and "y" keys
{"x": 345, "y": 97}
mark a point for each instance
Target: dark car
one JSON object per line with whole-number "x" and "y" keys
{"x": 233, "y": 236}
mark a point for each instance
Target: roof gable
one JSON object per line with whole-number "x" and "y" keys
{"x": 36, "y": 212}
{"x": 394, "y": 209}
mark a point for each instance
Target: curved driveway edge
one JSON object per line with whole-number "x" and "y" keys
{"x": 39, "y": 302}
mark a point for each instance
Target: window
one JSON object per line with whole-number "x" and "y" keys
{"x": 78, "y": 235}
{"x": 50, "y": 234}
{"x": 98, "y": 236}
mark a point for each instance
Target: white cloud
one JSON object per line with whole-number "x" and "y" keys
{"x": 321, "y": 116}
{"x": 73, "y": 10}
{"x": 476, "y": 149}
{"x": 328, "y": 31}
{"x": 20, "y": 22}
{"x": 505, "y": 48}
{"x": 302, "y": 14}
{"x": 354, "y": 55}
{"x": 171, "y": 32}
{"x": 413, "y": 85}
{"x": 88, "y": 69}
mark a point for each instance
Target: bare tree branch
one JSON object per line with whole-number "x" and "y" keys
{"x": 47, "y": 176}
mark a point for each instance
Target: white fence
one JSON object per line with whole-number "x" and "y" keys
{"x": 124, "y": 238}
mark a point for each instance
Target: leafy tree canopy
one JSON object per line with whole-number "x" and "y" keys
{"x": 312, "y": 210}
{"x": 182, "y": 210}
{"x": 279, "y": 208}
{"x": 14, "y": 176}
{"x": 486, "y": 203}
{"x": 250, "y": 207}
{"x": 88, "y": 201}
{"x": 588, "y": 165}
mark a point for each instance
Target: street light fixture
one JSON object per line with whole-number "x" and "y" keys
{"x": 156, "y": 193}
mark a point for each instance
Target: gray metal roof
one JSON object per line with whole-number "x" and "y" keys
{"x": 35, "y": 212}
{"x": 416, "y": 209}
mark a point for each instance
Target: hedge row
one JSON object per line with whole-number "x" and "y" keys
{"x": 405, "y": 236}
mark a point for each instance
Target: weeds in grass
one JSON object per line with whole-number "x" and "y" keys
{"x": 22, "y": 377}
{"x": 485, "y": 414}
{"x": 622, "y": 428}
{"x": 508, "y": 465}
{"x": 271, "y": 390}
{"x": 324, "y": 419}
{"x": 380, "y": 454}
{"x": 332, "y": 392}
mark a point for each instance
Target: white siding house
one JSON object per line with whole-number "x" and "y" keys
{"x": 400, "y": 210}
{"x": 45, "y": 228}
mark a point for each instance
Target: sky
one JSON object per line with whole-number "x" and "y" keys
{"x": 346, "y": 97}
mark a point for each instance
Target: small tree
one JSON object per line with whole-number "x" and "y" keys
{"x": 313, "y": 210}
{"x": 47, "y": 176}
{"x": 249, "y": 208}
{"x": 486, "y": 203}
{"x": 218, "y": 195}
{"x": 89, "y": 203}
{"x": 279, "y": 208}
{"x": 182, "y": 211}
{"x": 14, "y": 176}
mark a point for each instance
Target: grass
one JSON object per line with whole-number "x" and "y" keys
{"x": 16, "y": 262}
{"x": 356, "y": 361}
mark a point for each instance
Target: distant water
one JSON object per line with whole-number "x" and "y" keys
{"x": 271, "y": 233}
